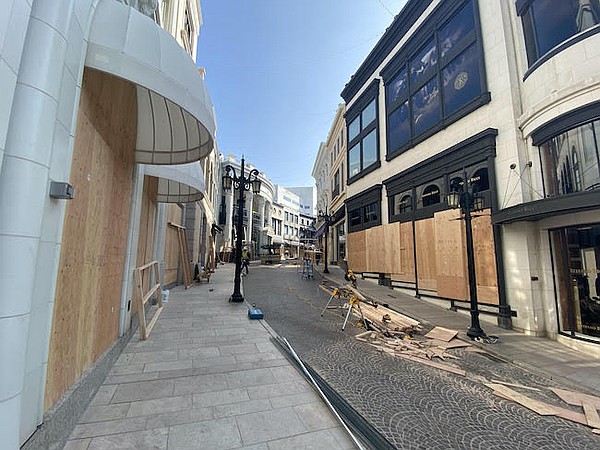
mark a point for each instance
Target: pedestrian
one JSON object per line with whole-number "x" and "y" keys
{"x": 245, "y": 260}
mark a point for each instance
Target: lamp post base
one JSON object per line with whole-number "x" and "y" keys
{"x": 236, "y": 298}
{"x": 476, "y": 332}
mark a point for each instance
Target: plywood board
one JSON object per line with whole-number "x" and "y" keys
{"x": 441, "y": 333}
{"x": 485, "y": 258}
{"x": 451, "y": 264}
{"x": 392, "y": 248}
{"x": 406, "y": 255}
{"x": 426, "y": 257}
{"x": 90, "y": 273}
{"x": 576, "y": 398}
{"x": 357, "y": 251}
{"x": 171, "y": 262}
{"x": 591, "y": 415}
{"x": 376, "y": 249}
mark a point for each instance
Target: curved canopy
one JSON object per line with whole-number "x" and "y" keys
{"x": 178, "y": 184}
{"x": 176, "y": 122}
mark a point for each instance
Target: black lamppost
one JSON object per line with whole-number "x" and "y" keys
{"x": 241, "y": 183}
{"x": 324, "y": 216}
{"x": 463, "y": 196}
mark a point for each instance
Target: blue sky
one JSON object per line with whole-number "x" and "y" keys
{"x": 275, "y": 70}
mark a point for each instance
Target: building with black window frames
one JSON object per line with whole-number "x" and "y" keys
{"x": 502, "y": 98}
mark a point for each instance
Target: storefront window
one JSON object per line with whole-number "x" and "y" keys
{"x": 570, "y": 161}
{"x": 577, "y": 271}
{"x": 547, "y": 23}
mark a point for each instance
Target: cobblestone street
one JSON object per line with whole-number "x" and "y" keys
{"x": 412, "y": 405}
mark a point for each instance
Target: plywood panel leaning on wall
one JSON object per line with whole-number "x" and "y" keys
{"x": 357, "y": 251}
{"x": 376, "y": 249}
{"x": 485, "y": 258}
{"x": 89, "y": 281}
{"x": 171, "y": 267}
{"x": 426, "y": 258}
{"x": 451, "y": 265}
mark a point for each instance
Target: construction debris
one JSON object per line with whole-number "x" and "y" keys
{"x": 422, "y": 351}
{"x": 589, "y": 404}
{"x": 442, "y": 334}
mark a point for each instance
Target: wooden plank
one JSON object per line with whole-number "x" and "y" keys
{"x": 541, "y": 408}
{"x": 143, "y": 296}
{"x": 376, "y": 249}
{"x": 591, "y": 415}
{"x": 576, "y": 398}
{"x": 407, "y": 256}
{"x": 451, "y": 264}
{"x": 184, "y": 255}
{"x": 515, "y": 385}
{"x": 455, "y": 343}
{"x": 485, "y": 258}
{"x": 441, "y": 333}
{"x": 357, "y": 251}
{"x": 172, "y": 253}
{"x": 426, "y": 257}
{"x": 392, "y": 247}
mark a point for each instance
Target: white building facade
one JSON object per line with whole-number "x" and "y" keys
{"x": 502, "y": 98}
{"x": 93, "y": 91}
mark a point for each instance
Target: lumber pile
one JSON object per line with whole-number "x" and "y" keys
{"x": 387, "y": 321}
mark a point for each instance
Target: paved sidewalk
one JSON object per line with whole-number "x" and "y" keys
{"x": 207, "y": 378}
{"x": 540, "y": 355}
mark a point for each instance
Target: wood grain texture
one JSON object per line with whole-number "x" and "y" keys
{"x": 171, "y": 267}
{"x": 377, "y": 247}
{"x": 485, "y": 258}
{"x": 451, "y": 264}
{"x": 426, "y": 257}
{"x": 357, "y": 251}
{"x": 89, "y": 281}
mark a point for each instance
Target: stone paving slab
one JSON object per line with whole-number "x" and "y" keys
{"x": 207, "y": 377}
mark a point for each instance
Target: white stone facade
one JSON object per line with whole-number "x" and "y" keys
{"x": 525, "y": 98}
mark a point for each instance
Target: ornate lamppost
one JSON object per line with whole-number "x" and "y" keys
{"x": 327, "y": 218}
{"x": 241, "y": 183}
{"x": 463, "y": 196}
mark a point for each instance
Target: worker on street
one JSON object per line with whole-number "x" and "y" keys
{"x": 245, "y": 260}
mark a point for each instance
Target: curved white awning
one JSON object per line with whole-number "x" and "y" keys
{"x": 176, "y": 122}
{"x": 179, "y": 183}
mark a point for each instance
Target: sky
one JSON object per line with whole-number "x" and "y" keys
{"x": 275, "y": 70}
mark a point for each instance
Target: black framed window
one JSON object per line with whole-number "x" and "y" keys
{"x": 431, "y": 196}
{"x": 548, "y": 23}
{"x": 363, "y": 129}
{"x": 432, "y": 85}
{"x": 402, "y": 203}
{"x": 364, "y": 209}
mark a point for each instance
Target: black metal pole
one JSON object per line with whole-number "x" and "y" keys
{"x": 475, "y": 330}
{"x": 237, "y": 294}
{"x": 325, "y": 269}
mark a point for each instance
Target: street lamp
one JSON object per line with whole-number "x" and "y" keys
{"x": 463, "y": 196}
{"x": 327, "y": 218}
{"x": 241, "y": 183}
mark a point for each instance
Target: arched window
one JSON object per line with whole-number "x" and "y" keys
{"x": 431, "y": 195}
{"x": 480, "y": 180}
{"x": 405, "y": 204}
{"x": 456, "y": 184}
